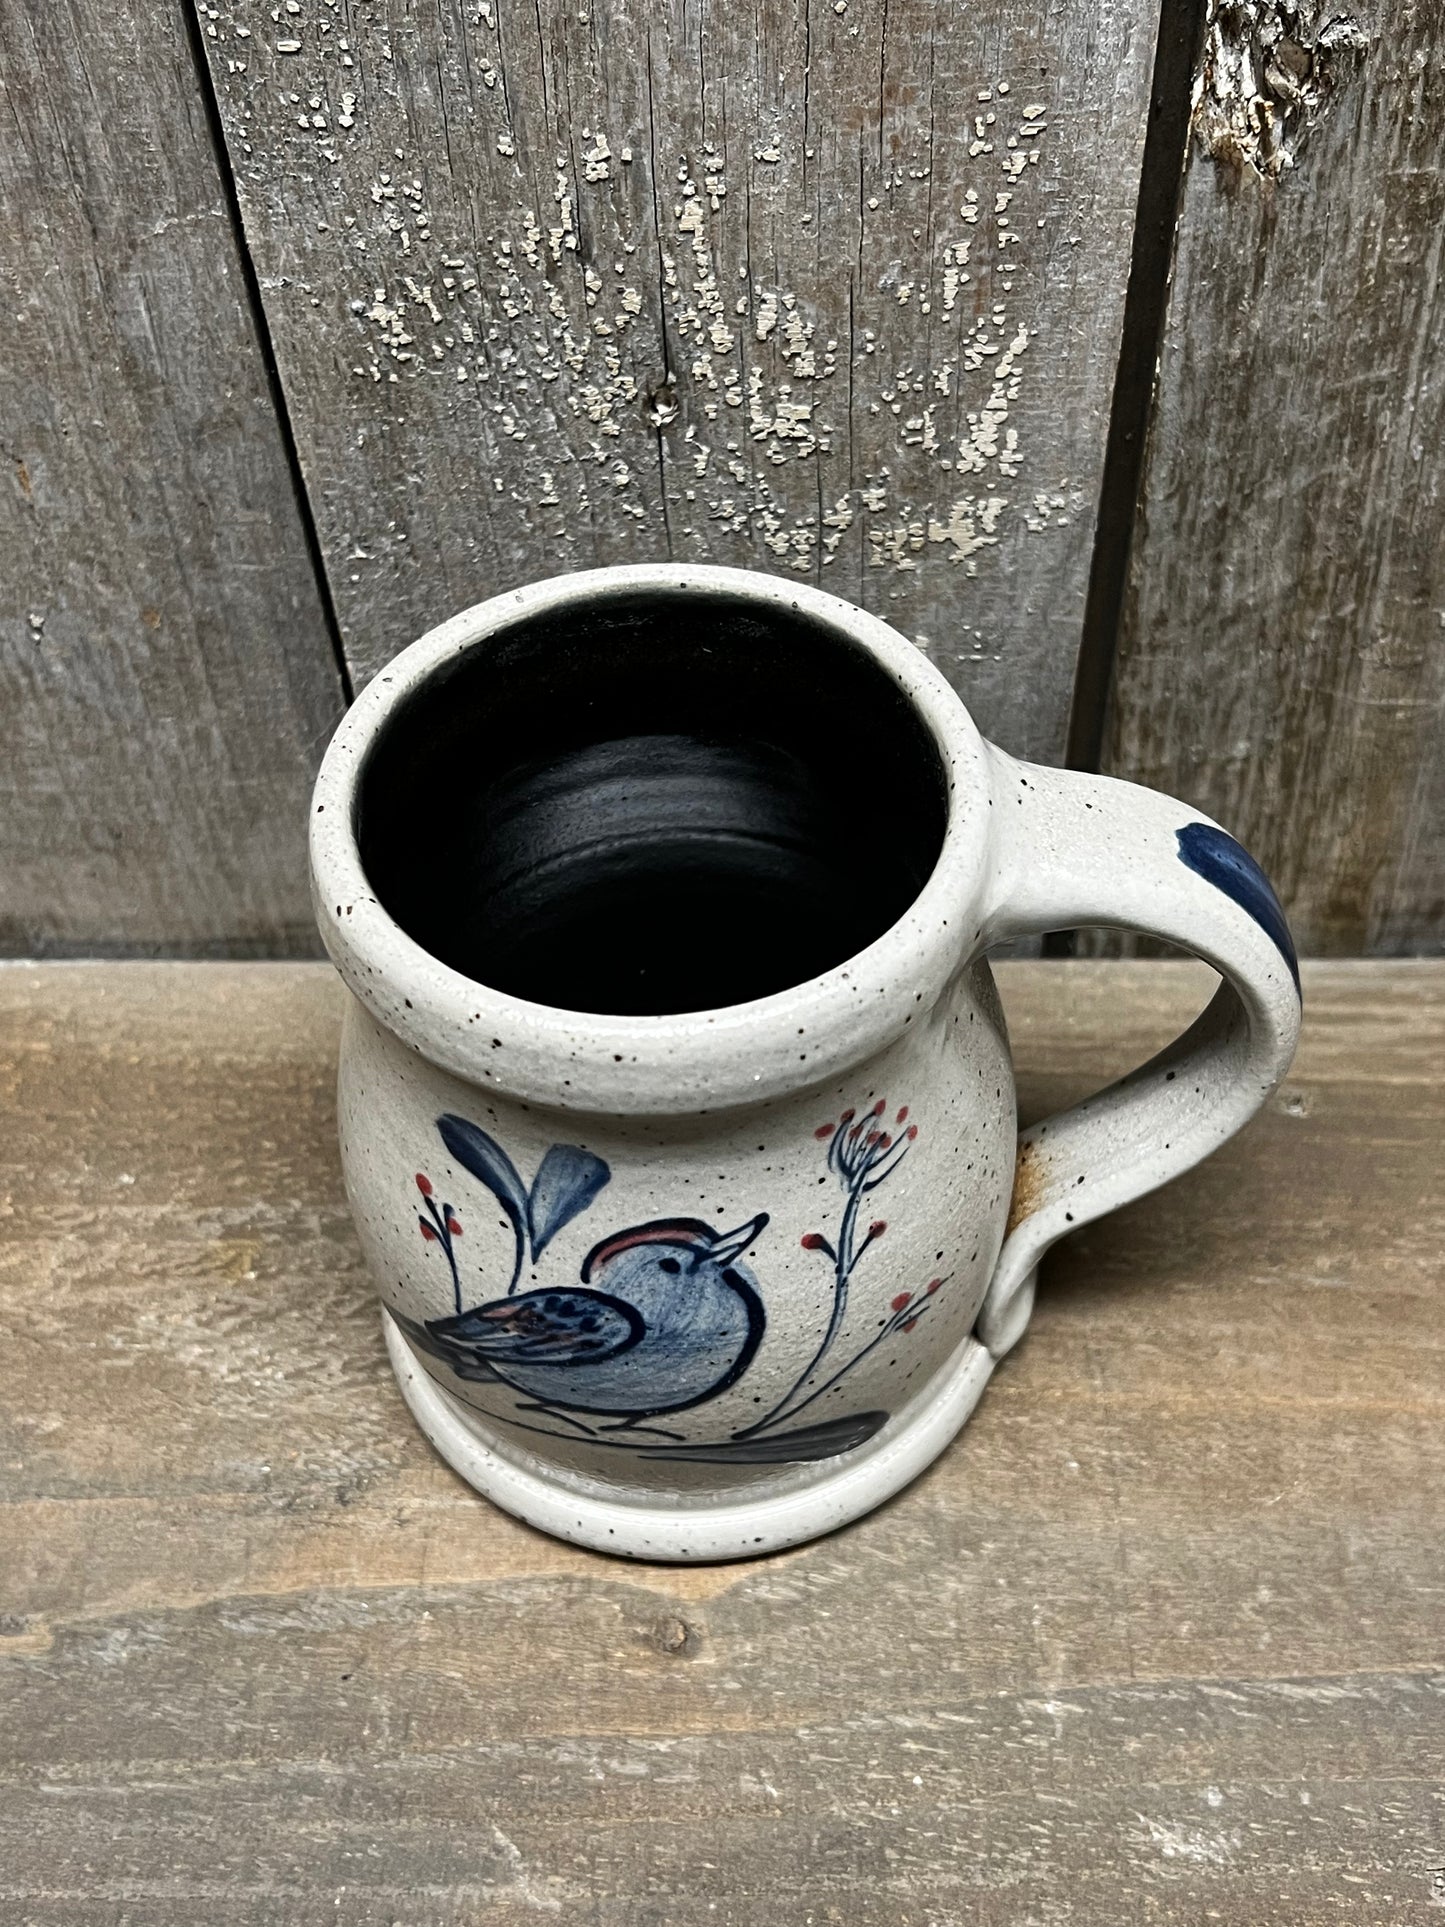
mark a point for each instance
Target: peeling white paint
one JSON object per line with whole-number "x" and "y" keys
{"x": 972, "y": 525}
{"x": 562, "y": 352}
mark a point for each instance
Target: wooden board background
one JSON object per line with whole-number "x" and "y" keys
{"x": 1282, "y": 656}
{"x": 1158, "y": 1640}
{"x": 166, "y": 679}
{"x": 799, "y": 285}
{"x": 525, "y": 288}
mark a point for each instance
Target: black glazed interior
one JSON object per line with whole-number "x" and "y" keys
{"x": 652, "y": 804}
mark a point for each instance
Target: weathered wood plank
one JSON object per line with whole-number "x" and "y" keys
{"x": 1282, "y": 662}
{"x": 825, "y": 286}
{"x": 1158, "y": 1640}
{"x": 166, "y": 676}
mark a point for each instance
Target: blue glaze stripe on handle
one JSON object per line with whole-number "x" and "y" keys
{"x": 1214, "y": 855}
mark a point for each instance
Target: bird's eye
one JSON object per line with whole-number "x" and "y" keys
{"x": 668, "y": 1264}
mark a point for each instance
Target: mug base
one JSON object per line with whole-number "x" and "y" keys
{"x": 670, "y": 1528}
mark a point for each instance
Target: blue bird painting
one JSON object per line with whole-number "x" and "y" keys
{"x": 666, "y": 1316}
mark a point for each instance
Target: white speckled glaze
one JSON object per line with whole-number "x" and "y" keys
{"x": 745, "y": 1153}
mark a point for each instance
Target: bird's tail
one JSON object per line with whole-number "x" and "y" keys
{"x": 459, "y": 1359}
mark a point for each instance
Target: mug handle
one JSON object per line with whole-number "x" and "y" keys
{"x": 1070, "y": 849}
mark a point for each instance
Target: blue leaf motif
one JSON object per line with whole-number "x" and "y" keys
{"x": 566, "y": 1183}
{"x": 485, "y": 1159}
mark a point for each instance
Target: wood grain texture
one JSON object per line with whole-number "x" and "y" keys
{"x": 1282, "y": 663}
{"x": 1158, "y": 1640}
{"x": 166, "y": 675}
{"x": 830, "y": 287}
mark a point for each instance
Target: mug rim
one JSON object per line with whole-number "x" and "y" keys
{"x": 689, "y": 1062}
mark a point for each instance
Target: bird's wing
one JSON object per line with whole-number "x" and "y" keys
{"x": 543, "y": 1328}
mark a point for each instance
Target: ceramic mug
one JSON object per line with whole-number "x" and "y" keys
{"x": 676, "y": 1105}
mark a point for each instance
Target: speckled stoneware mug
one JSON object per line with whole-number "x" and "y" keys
{"x": 677, "y": 1111}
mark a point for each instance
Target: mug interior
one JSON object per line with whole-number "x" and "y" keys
{"x": 655, "y": 802}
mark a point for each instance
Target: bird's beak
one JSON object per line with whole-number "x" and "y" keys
{"x": 732, "y": 1244}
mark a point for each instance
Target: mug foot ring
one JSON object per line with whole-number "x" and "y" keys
{"x": 671, "y": 1528}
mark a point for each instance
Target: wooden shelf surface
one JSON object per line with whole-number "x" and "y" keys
{"x": 1161, "y": 1639}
